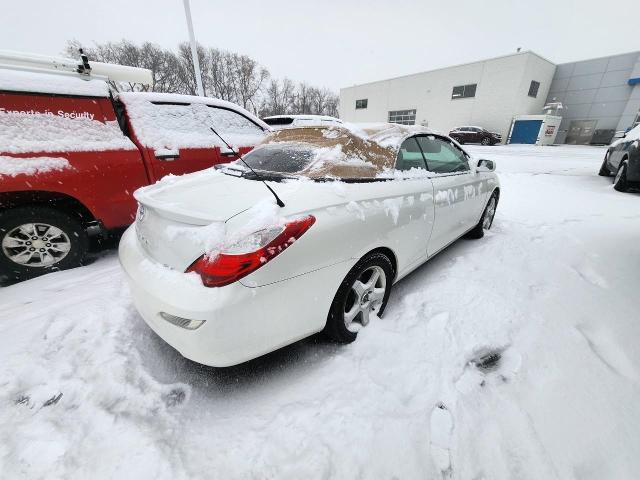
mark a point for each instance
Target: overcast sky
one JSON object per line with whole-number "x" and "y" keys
{"x": 337, "y": 43}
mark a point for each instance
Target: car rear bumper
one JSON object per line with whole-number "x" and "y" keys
{"x": 240, "y": 323}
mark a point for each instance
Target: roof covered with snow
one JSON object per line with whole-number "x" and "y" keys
{"x": 174, "y": 121}
{"x": 52, "y": 83}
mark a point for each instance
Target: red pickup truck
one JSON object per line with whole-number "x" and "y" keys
{"x": 72, "y": 152}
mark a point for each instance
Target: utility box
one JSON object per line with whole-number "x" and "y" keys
{"x": 534, "y": 129}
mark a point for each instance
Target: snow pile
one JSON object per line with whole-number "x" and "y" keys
{"x": 386, "y": 135}
{"x": 182, "y": 121}
{"x": 40, "y": 132}
{"x": 13, "y": 166}
{"x": 62, "y": 84}
{"x": 74, "y": 381}
{"x": 511, "y": 357}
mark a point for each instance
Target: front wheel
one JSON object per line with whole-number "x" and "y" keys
{"x": 36, "y": 240}
{"x": 620, "y": 182}
{"x": 487, "y": 218}
{"x": 363, "y": 293}
{"x": 485, "y": 141}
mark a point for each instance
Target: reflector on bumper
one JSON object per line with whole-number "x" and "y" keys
{"x": 181, "y": 322}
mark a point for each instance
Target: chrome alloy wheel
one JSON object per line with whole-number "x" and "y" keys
{"x": 489, "y": 214}
{"x": 366, "y": 296}
{"x": 36, "y": 245}
{"x": 619, "y": 174}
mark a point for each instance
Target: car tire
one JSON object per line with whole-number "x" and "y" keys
{"x": 620, "y": 181}
{"x": 486, "y": 220}
{"x": 342, "y": 324}
{"x": 604, "y": 170}
{"x": 485, "y": 141}
{"x": 65, "y": 246}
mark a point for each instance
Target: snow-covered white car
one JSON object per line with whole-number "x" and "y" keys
{"x": 224, "y": 274}
{"x": 293, "y": 121}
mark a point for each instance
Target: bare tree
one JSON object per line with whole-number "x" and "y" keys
{"x": 225, "y": 75}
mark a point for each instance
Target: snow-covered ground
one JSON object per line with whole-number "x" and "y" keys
{"x": 88, "y": 391}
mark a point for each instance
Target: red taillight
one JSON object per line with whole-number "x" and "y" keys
{"x": 227, "y": 267}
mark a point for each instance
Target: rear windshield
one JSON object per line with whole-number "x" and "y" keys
{"x": 278, "y": 121}
{"x": 280, "y": 158}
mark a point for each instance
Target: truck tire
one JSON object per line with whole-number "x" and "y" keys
{"x": 35, "y": 240}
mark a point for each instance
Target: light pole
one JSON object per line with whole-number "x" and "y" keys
{"x": 194, "y": 48}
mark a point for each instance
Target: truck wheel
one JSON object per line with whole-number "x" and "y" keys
{"x": 37, "y": 240}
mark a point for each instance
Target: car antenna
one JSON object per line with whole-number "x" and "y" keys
{"x": 239, "y": 155}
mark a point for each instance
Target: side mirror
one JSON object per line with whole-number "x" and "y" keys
{"x": 485, "y": 165}
{"x": 166, "y": 155}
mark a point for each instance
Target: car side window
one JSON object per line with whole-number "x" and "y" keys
{"x": 410, "y": 156}
{"x": 442, "y": 156}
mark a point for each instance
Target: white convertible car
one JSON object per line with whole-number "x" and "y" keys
{"x": 224, "y": 274}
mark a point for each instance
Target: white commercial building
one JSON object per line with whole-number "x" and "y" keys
{"x": 487, "y": 93}
{"x": 598, "y": 97}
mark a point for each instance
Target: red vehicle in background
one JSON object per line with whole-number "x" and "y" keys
{"x": 72, "y": 152}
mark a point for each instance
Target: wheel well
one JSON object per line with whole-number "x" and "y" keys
{"x": 389, "y": 254}
{"x": 59, "y": 201}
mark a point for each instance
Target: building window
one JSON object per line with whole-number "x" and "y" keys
{"x": 361, "y": 103}
{"x": 403, "y": 117}
{"x": 533, "y": 88}
{"x": 464, "y": 91}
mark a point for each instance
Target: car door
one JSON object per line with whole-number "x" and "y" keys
{"x": 474, "y": 135}
{"x": 459, "y": 192}
{"x": 412, "y": 177}
{"x": 464, "y": 134}
{"x": 618, "y": 153}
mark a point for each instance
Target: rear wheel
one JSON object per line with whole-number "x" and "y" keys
{"x": 487, "y": 218}
{"x": 604, "y": 170}
{"x": 363, "y": 293}
{"x": 37, "y": 240}
{"x": 620, "y": 182}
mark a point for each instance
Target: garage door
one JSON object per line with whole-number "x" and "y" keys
{"x": 525, "y": 131}
{"x": 580, "y": 132}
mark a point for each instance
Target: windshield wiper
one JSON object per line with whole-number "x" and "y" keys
{"x": 237, "y": 154}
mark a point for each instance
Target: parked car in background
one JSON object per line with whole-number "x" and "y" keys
{"x": 470, "y": 134}
{"x": 278, "y": 122}
{"x": 223, "y": 274}
{"x": 72, "y": 152}
{"x": 623, "y": 160}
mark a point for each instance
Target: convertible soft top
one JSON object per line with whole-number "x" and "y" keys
{"x": 354, "y": 151}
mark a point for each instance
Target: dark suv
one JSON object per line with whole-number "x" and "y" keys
{"x": 623, "y": 160}
{"x": 475, "y": 135}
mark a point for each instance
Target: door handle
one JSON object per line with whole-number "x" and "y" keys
{"x": 167, "y": 155}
